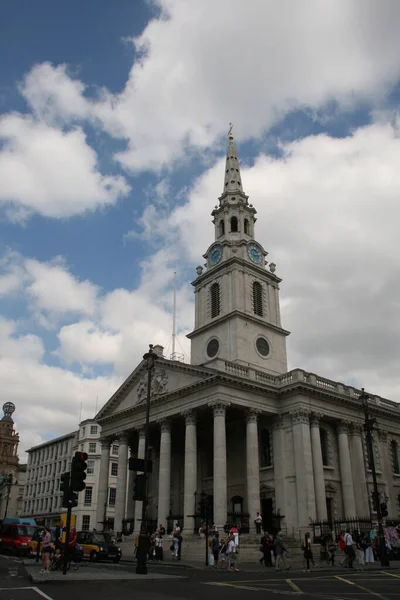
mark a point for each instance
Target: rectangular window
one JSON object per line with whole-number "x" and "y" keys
{"x": 92, "y": 447}
{"x": 88, "y": 496}
{"x": 83, "y": 431}
{"x": 90, "y": 467}
{"x": 111, "y": 496}
{"x": 114, "y": 449}
{"x": 114, "y": 469}
{"x": 85, "y": 522}
{"x": 93, "y": 430}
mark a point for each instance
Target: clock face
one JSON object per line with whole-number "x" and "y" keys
{"x": 215, "y": 255}
{"x": 254, "y": 253}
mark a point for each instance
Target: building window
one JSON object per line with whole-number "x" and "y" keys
{"x": 88, "y": 496}
{"x": 114, "y": 469}
{"x": 324, "y": 446}
{"x": 265, "y": 449}
{"x": 395, "y": 457}
{"x": 257, "y": 299}
{"x": 215, "y": 300}
{"x": 221, "y": 227}
{"x": 234, "y": 224}
{"x": 114, "y": 449}
{"x": 86, "y": 522}
{"x": 90, "y": 467}
{"x": 246, "y": 226}
{"x": 92, "y": 447}
{"x": 111, "y": 496}
{"x": 83, "y": 431}
{"x": 93, "y": 430}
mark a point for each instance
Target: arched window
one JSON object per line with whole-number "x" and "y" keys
{"x": 257, "y": 299}
{"x": 221, "y": 227}
{"x": 265, "y": 449}
{"x": 246, "y": 226}
{"x": 324, "y": 446}
{"x": 234, "y": 224}
{"x": 395, "y": 457}
{"x": 215, "y": 300}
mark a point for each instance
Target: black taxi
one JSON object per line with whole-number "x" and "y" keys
{"x": 98, "y": 546}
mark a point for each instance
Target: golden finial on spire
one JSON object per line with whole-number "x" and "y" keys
{"x": 230, "y": 134}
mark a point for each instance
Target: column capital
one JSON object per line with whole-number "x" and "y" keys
{"x": 383, "y": 435}
{"x": 123, "y": 438}
{"x": 344, "y": 426}
{"x": 300, "y": 416}
{"x": 165, "y": 425}
{"x": 105, "y": 442}
{"x": 141, "y": 432}
{"x": 219, "y": 408}
{"x": 278, "y": 422}
{"x": 356, "y": 428}
{"x": 252, "y": 415}
{"x": 315, "y": 419}
{"x": 190, "y": 417}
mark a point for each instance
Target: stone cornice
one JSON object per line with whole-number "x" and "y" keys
{"x": 235, "y": 260}
{"x": 242, "y": 315}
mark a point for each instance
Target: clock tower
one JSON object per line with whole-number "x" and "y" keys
{"x": 237, "y": 317}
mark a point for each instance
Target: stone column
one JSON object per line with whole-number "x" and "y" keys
{"x": 278, "y": 445}
{"x": 303, "y": 465}
{"x": 220, "y": 478}
{"x": 120, "y": 500}
{"x": 190, "y": 484}
{"x": 130, "y": 504}
{"x": 164, "y": 479}
{"x": 102, "y": 492}
{"x": 359, "y": 472}
{"x": 349, "y": 505}
{"x": 138, "y": 504}
{"x": 253, "y": 467}
{"x": 319, "y": 479}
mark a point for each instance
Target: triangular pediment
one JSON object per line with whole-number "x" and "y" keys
{"x": 166, "y": 377}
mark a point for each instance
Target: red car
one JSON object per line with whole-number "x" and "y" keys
{"x": 15, "y": 538}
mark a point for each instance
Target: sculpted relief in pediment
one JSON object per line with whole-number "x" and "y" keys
{"x": 159, "y": 382}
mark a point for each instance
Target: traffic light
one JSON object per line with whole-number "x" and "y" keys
{"x": 384, "y": 510}
{"x": 139, "y": 491}
{"x": 64, "y": 488}
{"x": 78, "y": 471}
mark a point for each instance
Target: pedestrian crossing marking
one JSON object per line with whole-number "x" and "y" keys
{"x": 294, "y": 586}
{"x": 391, "y": 574}
{"x": 345, "y": 580}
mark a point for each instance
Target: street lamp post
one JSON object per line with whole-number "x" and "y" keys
{"x": 141, "y": 567}
{"x": 369, "y": 429}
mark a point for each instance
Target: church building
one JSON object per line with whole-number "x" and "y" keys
{"x": 234, "y": 425}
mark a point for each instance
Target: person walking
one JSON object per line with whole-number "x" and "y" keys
{"x": 280, "y": 551}
{"x": 349, "y": 547}
{"x": 232, "y": 554}
{"x": 258, "y": 523}
{"x": 46, "y": 551}
{"x": 307, "y": 551}
{"x": 215, "y": 546}
{"x": 266, "y": 547}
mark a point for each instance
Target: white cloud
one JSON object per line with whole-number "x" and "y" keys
{"x": 54, "y": 173}
{"x": 84, "y": 342}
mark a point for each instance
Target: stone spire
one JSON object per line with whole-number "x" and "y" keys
{"x": 233, "y": 180}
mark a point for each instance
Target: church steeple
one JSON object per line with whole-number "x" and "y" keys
{"x": 232, "y": 179}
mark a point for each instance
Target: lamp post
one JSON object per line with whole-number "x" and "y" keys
{"x": 141, "y": 566}
{"x": 369, "y": 429}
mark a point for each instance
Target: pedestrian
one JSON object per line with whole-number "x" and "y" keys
{"x": 307, "y": 551}
{"x": 232, "y": 554}
{"x": 332, "y": 550}
{"x": 360, "y": 554}
{"x": 369, "y": 553}
{"x": 180, "y": 540}
{"x": 349, "y": 547}
{"x": 280, "y": 552}
{"x": 265, "y": 548}
{"x": 215, "y": 546}
{"x": 174, "y": 545}
{"x": 258, "y": 523}
{"x": 161, "y": 531}
{"x": 323, "y": 551}
{"x": 223, "y": 552}
{"x": 345, "y": 559}
{"x": 46, "y": 551}
{"x": 159, "y": 553}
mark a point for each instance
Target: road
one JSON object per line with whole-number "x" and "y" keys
{"x": 199, "y": 583}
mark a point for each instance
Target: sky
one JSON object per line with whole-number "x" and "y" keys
{"x": 113, "y": 129}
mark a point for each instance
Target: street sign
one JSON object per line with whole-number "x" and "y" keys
{"x": 137, "y": 464}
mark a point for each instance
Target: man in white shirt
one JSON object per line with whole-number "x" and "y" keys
{"x": 349, "y": 547}
{"x": 232, "y": 554}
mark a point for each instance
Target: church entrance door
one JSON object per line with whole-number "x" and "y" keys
{"x": 267, "y": 514}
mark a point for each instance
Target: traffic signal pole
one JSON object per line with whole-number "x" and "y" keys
{"x": 66, "y": 543}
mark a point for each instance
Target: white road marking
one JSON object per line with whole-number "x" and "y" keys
{"x": 34, "y": 589}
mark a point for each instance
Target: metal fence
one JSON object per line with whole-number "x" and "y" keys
{"x": 335, "y": 526}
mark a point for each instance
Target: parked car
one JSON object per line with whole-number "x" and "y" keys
{"x": 15, "y": 538}
{"x": 98, "y": 546}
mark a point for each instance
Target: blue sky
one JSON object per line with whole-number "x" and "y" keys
{"x": 113, "y": 123}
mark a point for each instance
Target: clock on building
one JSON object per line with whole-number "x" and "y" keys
{"x": 215, "y": 255}
{"x": 254, "y": 253}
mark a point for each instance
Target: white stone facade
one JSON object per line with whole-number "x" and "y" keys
{"x": 42, "y": 497}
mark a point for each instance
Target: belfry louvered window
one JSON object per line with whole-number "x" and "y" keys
{"x": 215, "y": 300}
{"x": 257, "y": 299}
